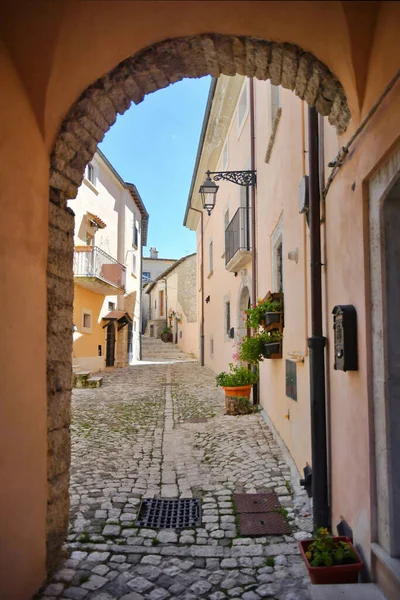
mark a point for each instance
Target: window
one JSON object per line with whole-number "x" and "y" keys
{"x": 226, "y": 219}
{"x": 275, "y": 115}
{"x": 111, "y": 306}
{"x": 212, "y": 346}
{"x": 279, "y": 269}
{"x": 135, "y": 241}
{"x": 227, "y": 317}
{"x": 291, "y": 380}
{"x": 86, "y": 320}
{"x": 243, "y": 106}
{"x": 211, "y": 257}
{"x": 89, "y": 239}
{"x": 90, "y": 176}
{"x": 243, "y": 196}
{"x": 133, "y": 263}
{"x": 161, "y": 297}
{"x": 277, "y": 257}
{"x": 275, "y": 102}
{"x": 146, "y": 276}
{"x": 224, "y": 161}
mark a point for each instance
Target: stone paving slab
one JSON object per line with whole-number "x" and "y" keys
{"x": 132, "y": 438}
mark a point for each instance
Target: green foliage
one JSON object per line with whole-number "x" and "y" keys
{"x": 270, "y": 562}
{"x": 251, "y": 349}
{"x": 325, "y": 551}
{"x": 237, "y": 376}
{"x": 166, "y": 330}
{"x": 255, "y": 315}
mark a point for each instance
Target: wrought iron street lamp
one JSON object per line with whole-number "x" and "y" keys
{"x": 209, "y": 188}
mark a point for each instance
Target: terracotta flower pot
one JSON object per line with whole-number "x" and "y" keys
{"x": 336, "y": 573}
{"x": 240, "y": 390}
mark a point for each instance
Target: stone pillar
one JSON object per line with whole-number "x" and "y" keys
{"x": 60, "y": 295}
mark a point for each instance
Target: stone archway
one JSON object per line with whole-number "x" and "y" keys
{"x": 83, "y": 128}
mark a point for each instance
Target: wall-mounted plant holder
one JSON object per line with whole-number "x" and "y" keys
{"x": 274, "y": 320}
{"x": 273, "y": 350}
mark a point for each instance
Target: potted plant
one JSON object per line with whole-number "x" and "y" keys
{"x": 272, "y": 343}
{"x": 264, "y": 313}
{"x": 330, "y": 559}
{"x": 238, "y": 381}
{"x": 166, "y": 334}
{"x": 252, "y": 347}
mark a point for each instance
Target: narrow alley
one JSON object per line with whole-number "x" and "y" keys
{"x": 157, "y": 429}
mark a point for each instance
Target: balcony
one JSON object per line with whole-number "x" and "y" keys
{"x": 238, "y": 241}
{"x": 97, "y": 271}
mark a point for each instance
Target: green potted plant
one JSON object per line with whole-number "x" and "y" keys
{"x": 264, "y": 313}
{"x": 330, "y": 559}
{"x": 238, "y": 381}
{"x": 166, "y": 334}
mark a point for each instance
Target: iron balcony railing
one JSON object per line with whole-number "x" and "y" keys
{"x": 237, "y": 234}
{"x": 90, "y": 261}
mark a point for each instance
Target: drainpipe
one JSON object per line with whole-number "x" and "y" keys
{"x": 256, "y": 386}
{"x": 316, "y": 342}
{"x": 202, "y": 288}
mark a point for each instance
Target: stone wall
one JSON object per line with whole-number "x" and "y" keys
{"x": 159, "y": 325}
{"x": 60, "y": 290}
{"x": 167, "y": 62}
{"x": 187, "y": 287}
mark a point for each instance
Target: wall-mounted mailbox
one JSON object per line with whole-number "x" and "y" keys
{"x": 345, "y": 337}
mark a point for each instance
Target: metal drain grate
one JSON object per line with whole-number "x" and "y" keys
{"x": 256, "y": 503}
{"x": 163, "y": 513}
{"x": 271, "y": 523}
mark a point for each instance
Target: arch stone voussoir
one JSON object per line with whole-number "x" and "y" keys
{"x": 171, "y": 60}
{"x": 83, "y": 128}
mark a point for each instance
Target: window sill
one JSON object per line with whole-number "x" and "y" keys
{"x": 91, "y": 186}
{"x": 210, "y": 274}
{"x": 273, "y": 135}
{"x": 133, "y": 275}
{"x": 134, "y": 246}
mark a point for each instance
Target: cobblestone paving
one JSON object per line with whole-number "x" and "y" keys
{"x": 133, "y": 438}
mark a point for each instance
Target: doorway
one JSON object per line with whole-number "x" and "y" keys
{"x": 110, "y": 345}
{"x": 384, "y": 222}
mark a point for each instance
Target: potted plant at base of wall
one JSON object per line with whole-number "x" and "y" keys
{"x": 330, "y": 559}
{"x": 166, "y": 334}
{"x": 236, "y": 383}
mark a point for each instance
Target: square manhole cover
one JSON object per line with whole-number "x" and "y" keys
{"x": 271, "y": 523}
{"x": 167, "y": 513}
{"x": 256, "y": 503}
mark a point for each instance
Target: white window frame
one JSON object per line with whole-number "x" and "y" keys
{"x": 89, "y": 312}
{"x": 276, "y": 241}
{"x": 211, "y": 257}
{"x": 225, "y": 156}
{"x": 91, "y": 184}
{"x": 242, "y": 121}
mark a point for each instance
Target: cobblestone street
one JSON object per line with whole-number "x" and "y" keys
{"x": 156, "y": 430}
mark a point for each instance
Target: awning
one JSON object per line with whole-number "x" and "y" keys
{"x": 100, "y": 224}
{"x": 122, "y": 318}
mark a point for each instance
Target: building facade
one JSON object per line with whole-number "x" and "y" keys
{"x": 153, "y": 266}
{"x": 256, "y": 240}
{"x": 172, "y": 300}
{"x": 110, "y": 230}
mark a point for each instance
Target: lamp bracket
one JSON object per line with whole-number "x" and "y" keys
{"x": 245, "y": 178}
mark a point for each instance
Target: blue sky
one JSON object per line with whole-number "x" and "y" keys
{"x": 154, "y": 146}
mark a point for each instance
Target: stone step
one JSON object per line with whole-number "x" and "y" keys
{"x": 348, "y": 591}
{"x": 80, "y": 378}
{"x": 94, "y": 382}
